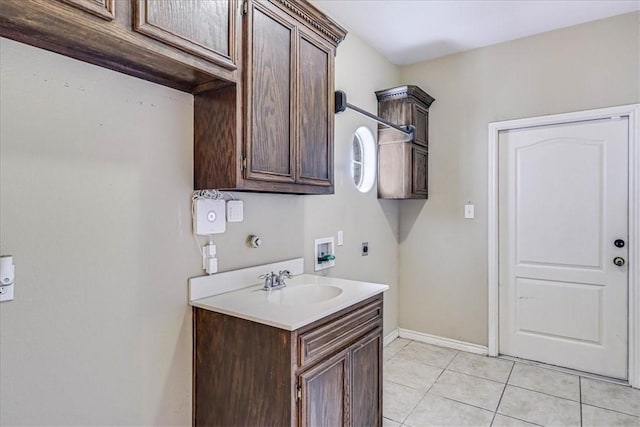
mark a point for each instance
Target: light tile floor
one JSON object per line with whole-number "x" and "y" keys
{"x": 426, "y": 385}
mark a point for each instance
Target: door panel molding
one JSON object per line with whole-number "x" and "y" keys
{"x": 632, "y": 112}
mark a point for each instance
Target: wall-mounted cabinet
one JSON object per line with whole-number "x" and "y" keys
{"x": 286, "y": 108}
{"x": 262, "y": 72}
{"x": 181, "y": 44}
{"x": 403, "y": 161}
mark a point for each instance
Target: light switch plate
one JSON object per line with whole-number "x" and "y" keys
{"x": 469, "y": 211}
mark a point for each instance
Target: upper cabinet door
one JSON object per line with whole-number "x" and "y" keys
{"x": 271, "y": 88}
{"x": 205, "y": 28}
{"x": 419, "y": 172}
{"x": 316, "y": 114}
{"x": 421, "y": 123}
{"x": 102, "y": 8}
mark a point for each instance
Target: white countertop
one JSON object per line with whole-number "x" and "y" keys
{"x": 269, "y": 307}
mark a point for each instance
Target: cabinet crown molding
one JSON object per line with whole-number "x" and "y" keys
{"x": 314, "y": 18}
{"x": 403, "y": 92}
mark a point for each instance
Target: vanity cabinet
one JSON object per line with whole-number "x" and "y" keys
{"x": 286, "y": 109}
{"x": 176, "y": 43}
{"x": 326, "y": 373}
{"x": 402, "y": 161}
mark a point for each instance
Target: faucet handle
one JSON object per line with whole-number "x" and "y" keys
{"x": 268, "y": 279}
{"x": 285, "y": 273}
{"x": 282, "y": 274}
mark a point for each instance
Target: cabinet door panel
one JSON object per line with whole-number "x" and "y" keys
{"x": 103, "y": 8}
{"x": 271, "y": 86}
{"x": 324, "y": 389}
{"x": 314, "y": 107}
{"x": 419, "y": 180}
{"x": 421, "y": 122}
{"x": 366, "y": 369}
{"x": 205, "y": 28}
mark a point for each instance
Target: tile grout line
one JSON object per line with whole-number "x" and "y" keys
{"x": 502, "y": 394}
{"x": 394, "y": 355}
{"x": 593, "y": 405}
{"x": 429, "y": 364}
{"x": 580, "y": 397}
{"x": 462, "y": 403}
{"x": 546, "y": 394}
{"x": 475, "y": 376}
{"x": 425, "y": 393}
{"x": 414, "y": 408}
{"x": 612, "y": 410}
{"x": 564, "y": 370}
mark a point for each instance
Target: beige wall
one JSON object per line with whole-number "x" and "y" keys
{"x": 96, "y": 178}
{"x": 95, "y": 181}
{"x": 443, "y": 257}
{"x": 360, "y": 71}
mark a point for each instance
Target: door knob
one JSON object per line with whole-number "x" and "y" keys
{"x": 619, "y": 243}
{"x": 619, "y": 261}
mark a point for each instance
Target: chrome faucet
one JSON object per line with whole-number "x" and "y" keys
{"x": 275, "y": 281}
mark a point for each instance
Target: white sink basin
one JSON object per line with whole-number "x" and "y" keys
{"x": 303, "y": 294}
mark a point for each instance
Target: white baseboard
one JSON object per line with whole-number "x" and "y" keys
{"x": 390, "y": 337}
{"x": 441, "y": 341}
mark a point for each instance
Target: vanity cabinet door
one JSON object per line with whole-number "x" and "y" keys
{"x": 324, "y": 391}
{"x": 366, "y": 380}
{"x": 204, "y": 28}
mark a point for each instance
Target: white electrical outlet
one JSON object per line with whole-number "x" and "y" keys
{"x": 210, "y": 217}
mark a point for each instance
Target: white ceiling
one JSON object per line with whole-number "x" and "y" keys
{"x": 408, "y": 31}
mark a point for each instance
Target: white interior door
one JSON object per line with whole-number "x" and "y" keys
{"x": 563, "y": 202}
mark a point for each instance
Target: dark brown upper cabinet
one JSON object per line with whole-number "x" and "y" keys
{"x": 262, "y": 72}
{"x": 403, "y": 161}
{"x": 285, "y": 143}
{"x": 176, "y": 43}
{"x": 203, "y": 28}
